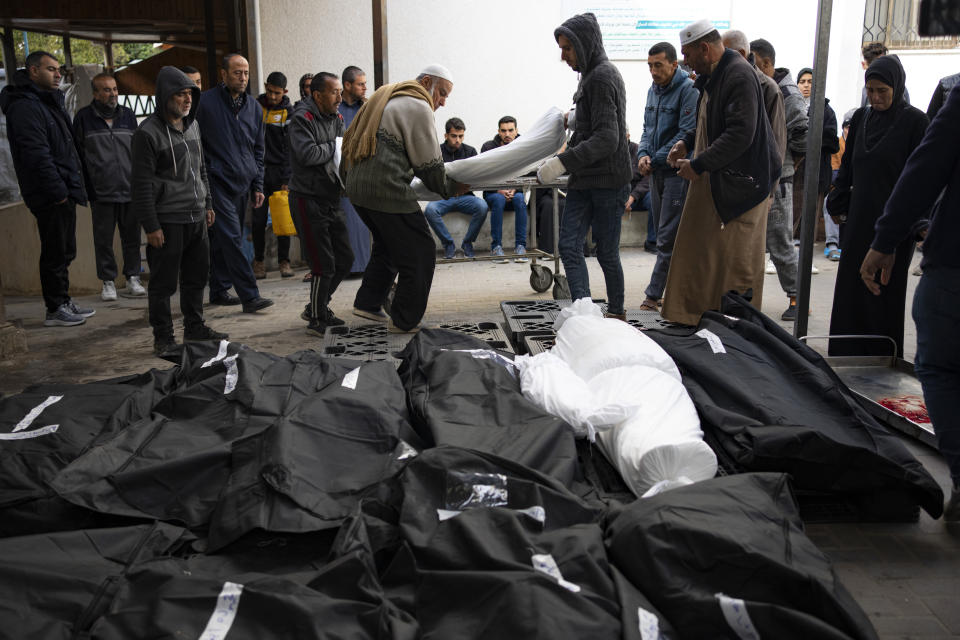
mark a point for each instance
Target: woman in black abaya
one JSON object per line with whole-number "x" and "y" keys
{"x": 882, "y": 137}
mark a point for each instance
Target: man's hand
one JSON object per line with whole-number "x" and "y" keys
{"x": 644, "y": 165}
{"x": 685, "y": 171}
{"x": 550, "y": 170}
{"x": 678, "y": 152}
{"x": 461, "y": 189}
{"x": 210, "y": 217}
{"x": 506, "y": 193}
{"x": 873, "y": 262}
{"x": 257, "y": 199}
{"x": 155, "y": 238}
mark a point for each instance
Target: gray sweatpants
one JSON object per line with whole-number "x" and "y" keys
{"x": 780, "y": 238}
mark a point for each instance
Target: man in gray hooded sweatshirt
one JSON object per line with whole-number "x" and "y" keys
{"x": 597, "y": 160}
{"x": 172, "y": 197}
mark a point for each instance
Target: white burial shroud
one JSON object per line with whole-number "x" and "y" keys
{"x": 538, "y": 143}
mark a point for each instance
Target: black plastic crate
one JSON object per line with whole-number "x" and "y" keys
{"x": 520, "y": 326}
{"x": 373, "y": 342}
{"x": 551, "y": 308}
{"x": 646, "y": 320}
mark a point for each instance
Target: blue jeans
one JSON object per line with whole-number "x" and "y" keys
{"x": 601, "y": 209}
{"x": 469, "y": 204}
{"x": 936, "y": 310}
{"x": 645, "y": 205}
{"x": 668, "y": 191}
{"x": 497, "y": 204}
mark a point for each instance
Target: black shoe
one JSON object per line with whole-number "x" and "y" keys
{"x": 650, "y": 247}
{"x": 225, "y": 300}
{"x": 203, "y": 332}
{"x": 331, "y": 320}
{"x": 378, "y": 315}
{"x": 165, "y": 347}
{"x": 305, "y": 314}
{"x": 791, "y": 313}
{"x": 316, "y": 328}
{"x": 256, "y": 304}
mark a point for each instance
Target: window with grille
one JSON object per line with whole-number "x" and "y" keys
{"x": 894, "y": 23}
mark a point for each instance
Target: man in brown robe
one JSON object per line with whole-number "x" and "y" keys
{"x": 733, "y": 167}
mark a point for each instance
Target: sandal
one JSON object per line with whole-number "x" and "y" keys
{"x": 649, "y": 305}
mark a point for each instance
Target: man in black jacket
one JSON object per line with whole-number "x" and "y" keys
{"x": 277, "y": 114}
{"x": 172, "y": 197}
{"x": 597, "y": 160}
{"x": 51, "y": 180}
{"x": 103, "y": 131}
{"x": 453, "y": 148}
{"x": 732, "y": 162}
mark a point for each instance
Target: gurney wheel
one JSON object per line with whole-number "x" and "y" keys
{"x": 561, "y": 289}
{"x": 540, "y": 278}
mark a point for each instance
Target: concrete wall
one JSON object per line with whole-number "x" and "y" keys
{"x": 307, "y": 36}
{"x": 20, "y": 253}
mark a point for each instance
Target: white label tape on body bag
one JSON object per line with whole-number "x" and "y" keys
{"x": 735, "y": 613}
{"x": 545, "y": 563}
{"x": 649, "y": 625}
{"x": 221, "y": 354}
{"x": 224, "y": 612}
{"x": 350, "y": 380}
{"x": 25, "y": 435}
{"x": 35, "y": 412}
{"x": 713, "y": 339}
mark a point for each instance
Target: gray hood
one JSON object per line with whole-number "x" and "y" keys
{"x": 583, "y": 32}
{"x": 170, "y": 80}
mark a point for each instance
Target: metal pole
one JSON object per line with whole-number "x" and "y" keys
{"x": 9, "y": 54}
{"x": 108, "y": 55}
{"x": 812, "y": 168}
{"x": 209, "y": 28}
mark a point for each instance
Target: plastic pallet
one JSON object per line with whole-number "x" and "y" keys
{"x": 551, "y": 308}
{"x": 534, "y": 344}
{"x": 645, "y": 320}
{"x": 373, "y": 342}
{"x": 520, "y": 326}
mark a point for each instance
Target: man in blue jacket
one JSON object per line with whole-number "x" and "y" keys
{"x": 933, "y": 169}
{"x": 51, "y": 180}
{"x": 103, "y": 130}
{"x": 231, "y": 127}
{"x": 671, "y": 113}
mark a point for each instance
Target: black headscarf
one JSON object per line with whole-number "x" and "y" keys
{"x": 889, "y": 71}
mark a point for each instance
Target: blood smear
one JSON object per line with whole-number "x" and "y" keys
{"x": 910, "y": 407}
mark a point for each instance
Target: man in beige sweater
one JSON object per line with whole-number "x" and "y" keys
{"x": 392, "y": 139}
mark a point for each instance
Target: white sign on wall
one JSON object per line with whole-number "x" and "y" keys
{"x": 631, "y": 27}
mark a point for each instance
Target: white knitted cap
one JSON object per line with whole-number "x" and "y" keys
{"x": 695, "y": 31}
{"x": 438, "y": 71}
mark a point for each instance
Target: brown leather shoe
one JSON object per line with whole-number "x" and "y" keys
{"x": 285, "y": 270}
{"x": 259, "y": 270}
{"x": 616, "y": 316}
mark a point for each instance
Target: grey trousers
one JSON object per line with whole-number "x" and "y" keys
{"x": 780, "y": 238}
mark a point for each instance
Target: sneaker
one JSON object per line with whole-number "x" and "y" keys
{"x": 259, "y": 270}
{"x": 831, "y": 253}
{"x": 650, "y": 247}
{"x": 467, "y": 248}
{"x": 498, "y": 253}
{"x": 917, "y": 271}
{"x": 224, "y": 300}
{"x": 771, "y": 269}
{"x": 520, "y": 254}
{"x": 331, "y": 320}
{"x": 80, "y": 311}
{"x": 165, "y": 347}
{"x": 63, "y": 317}
{"x": 392, "y": 328}
{"x": 256, "y": 304}
{"x": 203, "y": 333}
{"x": 449, "y": 250}
{"x": 791, "y": 313}
{"x": 308, "y": 277}
{"x": 378, "y": 315}
{"x": 316, "y": 328}
{"x": 951, "y": 510}
{"x": 109, "y": 291}
{"x": 813, "y": 269}
{"x": 285, "y": 270}
{"x": 135, "y": 287}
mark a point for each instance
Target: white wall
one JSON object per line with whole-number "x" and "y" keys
{"x": 505, "y": 61}
{"x": 308, "y": 36}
